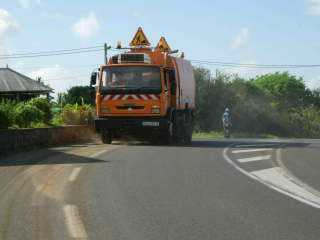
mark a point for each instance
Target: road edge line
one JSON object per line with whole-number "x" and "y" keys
{"x": 287, "y": 173}
{"x": 271, "y": 186}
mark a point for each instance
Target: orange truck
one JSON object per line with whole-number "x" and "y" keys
{"x": 146, "y": 92}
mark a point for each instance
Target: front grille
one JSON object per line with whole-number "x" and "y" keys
{"x": 130, "y": 107}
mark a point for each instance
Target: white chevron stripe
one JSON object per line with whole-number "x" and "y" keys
{"x": 252, "y": 150}
{"x": 135, "y": 97}
{"x": 106, "y": 98}
{"x": 153, "y": 97}
{"x": 253, "y": 159}
{"x": 144, "y": 97}
{"x": 116, "y": 97}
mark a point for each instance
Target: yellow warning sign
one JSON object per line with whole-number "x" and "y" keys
{"x": 140, "y": 39}
{"x": 163, "y": 46}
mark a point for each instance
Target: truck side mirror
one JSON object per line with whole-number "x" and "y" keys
{"x": 93, "y": 79}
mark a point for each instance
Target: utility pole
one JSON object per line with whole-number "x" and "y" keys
{"x": 106, "y": 47}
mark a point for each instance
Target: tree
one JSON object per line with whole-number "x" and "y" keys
{"x": 44, "y": 106}
{"x": 80, "y": 95}
{"x": 287, "y": 90}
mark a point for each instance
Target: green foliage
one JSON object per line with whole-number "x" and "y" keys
{"x": 39, "y": 112}
{"x": 287, "y": 90}
{"x": 305, "y": 122}
{"x": 26, "y": 114}
{"x": 6, "y": 114}
{"x": 277, "y": 104}
{"x": 208, "y": 135}
{"x": 78, "y": 95}
{"x": 57, "y": 120}
{"x": 4, "y": 118}
{"x": 212, "y": 96}
{"x": 43, "y": 105}
{"x": 77, "y": 114}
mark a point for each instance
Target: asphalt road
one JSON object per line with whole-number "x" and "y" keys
{"x": 244, "y": 189}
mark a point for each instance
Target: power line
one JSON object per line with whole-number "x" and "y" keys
{"x": 58, "y": 66}
{"x": 249, "y": 65}
{"x": 51, "y": 51}
{"x": 101, "y": 48}
{"x": 52, "y": 54}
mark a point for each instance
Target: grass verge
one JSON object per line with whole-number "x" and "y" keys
{"x": 220, "y": 135}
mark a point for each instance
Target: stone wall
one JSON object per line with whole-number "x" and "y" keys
{"x": 15, "y": 139}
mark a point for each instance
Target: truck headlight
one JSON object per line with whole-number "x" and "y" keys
{"x": 155, "y": 110}
{"x": 105, "y": 110}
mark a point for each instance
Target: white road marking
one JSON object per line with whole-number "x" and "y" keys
{"x": 74, "y": 174}
{"x": 256, "y": 145}
{"x": 99, "y": 153}
{"x": 275, "y": 177}
{"x": 73, "y": 222}
{"x": 253, "y": 159}
{"x": 252, "y": 150}
{"x": 268, "y": 184}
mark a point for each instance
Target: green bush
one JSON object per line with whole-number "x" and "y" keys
{"x": 43, "y": 105}
{"x": 304, "y": 122}
{"x": 278, "y": 104}
{"x": 26, "y": 114}
{"x": 6, "y": 114}
{"x": 77, "y": 114}
{"x": 4, "y": 118}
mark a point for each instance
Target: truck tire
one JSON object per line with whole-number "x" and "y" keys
{"x": 188, "y": 129}
{"x": 178, "y": 128}
{"x": 106, "y": 137}
{"x": 188, "y": 135}
{"x": 169, "y": 138}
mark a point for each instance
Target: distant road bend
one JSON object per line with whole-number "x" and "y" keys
{"x": 226, "y": 189}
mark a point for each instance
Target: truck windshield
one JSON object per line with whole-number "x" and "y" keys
{"x": 131, "y": 77}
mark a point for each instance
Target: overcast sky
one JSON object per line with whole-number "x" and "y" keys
{"x": 262, "y": 32}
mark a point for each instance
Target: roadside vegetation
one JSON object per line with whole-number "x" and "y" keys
{"x": 40, "y": 112}
{"x": 270, "y": 105}
{"x": 36, "y": 112}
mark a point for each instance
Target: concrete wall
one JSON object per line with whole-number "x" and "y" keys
{"x": 15, "y": 139}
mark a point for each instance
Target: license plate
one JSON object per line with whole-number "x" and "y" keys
{"x": 150, "y": 124}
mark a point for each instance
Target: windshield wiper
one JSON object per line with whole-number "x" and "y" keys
{"x": 151, "y": 88}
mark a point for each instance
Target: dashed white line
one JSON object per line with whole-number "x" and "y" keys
{"x": 73, "y": 221}
{"x": 252, "y": 159}
{"x": 252, "y": 150}
{"x": 74, "y": 174}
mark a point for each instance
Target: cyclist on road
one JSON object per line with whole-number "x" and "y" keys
{"x": 226, "y": 121}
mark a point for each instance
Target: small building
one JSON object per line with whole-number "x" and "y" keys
{"x": 16, "y": 86}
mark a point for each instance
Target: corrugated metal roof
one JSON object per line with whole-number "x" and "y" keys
{"x": 12, "y": 81}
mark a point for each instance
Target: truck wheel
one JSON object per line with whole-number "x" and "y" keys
{"x": 106, "y": 137}
{"x": 188, "y": 135}
{"x": 187, "y": 128}
{"x": 178, "y": 129}
{"x": 169, "y": 135}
